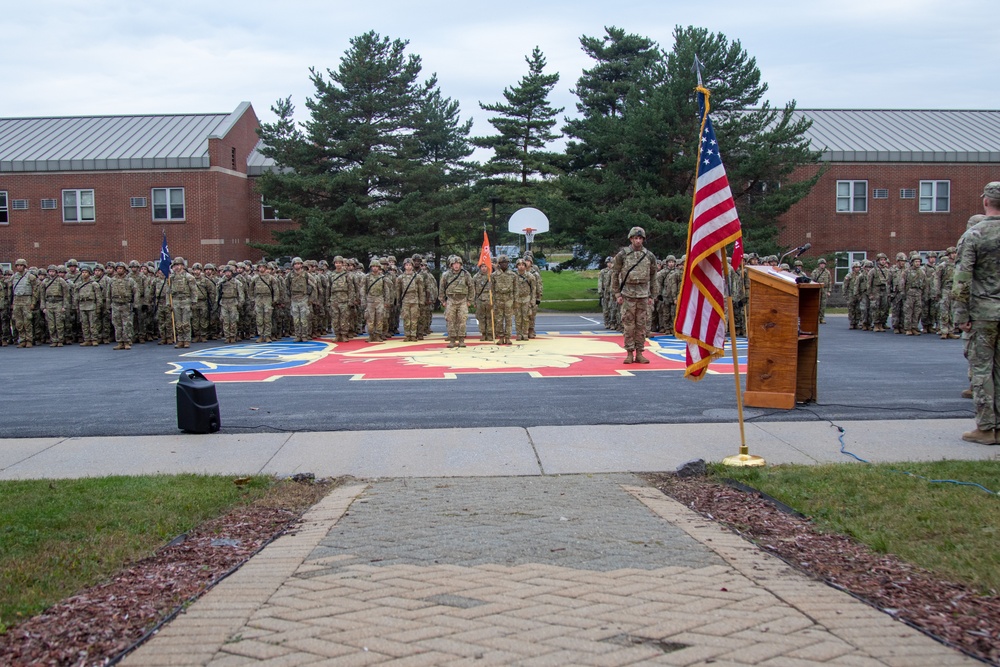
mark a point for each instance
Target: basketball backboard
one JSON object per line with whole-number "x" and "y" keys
{"x": 528, "y": 218}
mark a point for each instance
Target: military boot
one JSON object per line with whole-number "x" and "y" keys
{"x": 628, "y": 357}
{"x": 639, "y": 359}
{"x": 452, "y": 342}
{"x": 461, "y": 342}
{"x": 981, "y": 437}
{"x": 119, "y": 346}
{"x": 967, "y": 393}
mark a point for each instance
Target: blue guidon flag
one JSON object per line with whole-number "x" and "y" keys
{"x": 164, "y": 265}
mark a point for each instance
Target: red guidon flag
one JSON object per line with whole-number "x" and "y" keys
{"x": 484, "y": 255}
{"x": 714, "y": 224}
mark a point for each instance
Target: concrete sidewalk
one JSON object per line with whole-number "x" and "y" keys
{"x": 485, "y": 452}
{"x": 514, "y": 546}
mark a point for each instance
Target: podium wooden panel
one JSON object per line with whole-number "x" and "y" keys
{"x": 783, "y": 339}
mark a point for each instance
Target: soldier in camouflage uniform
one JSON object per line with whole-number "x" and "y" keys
{"x": 878, "y": 292}
{"x": 201, "y": 309}
{"x": 604, "y": 291}
{"x": 72, "y": 315}
{"x": 183, "y": 293}
{"x": 455, "y": 291}
{"x": 262, "y": 286}
{"x": 430, "y": 297}
{"x": 943, "y": 279}
{"x": 897, "y": 293}
{"x": 503, "y": 299}
{"x": 976, "y": 308}
{"x": 864, "y": 300}
{"x": 88, "y": 295}
{"x": 300, "y": 289}
{"x": 482, "y": 286}
{"x": 852, "y": 298}
{"x": 6, "y": 333}
{"x": 913, "y": 298}
{"x": 375, "y": 296}
{"x": 104, "y": 327}
{"x": 56, "y": 300}
{"x": 341, "y": 297}
{"x": 524, "y": 296}
{"x": 929, "y": 311}
{"x": 122, "y": 296}
{"x": 529, "y": 265}
{"x": 632, "y": 282}
{"x": 821, "y": 274}
{"x": 409, "y": 294}
{"x": 230, "y": 299}
{"x": 672, "y": 287}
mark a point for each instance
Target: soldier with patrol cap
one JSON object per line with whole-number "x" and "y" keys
{"x": 633, "y": 284}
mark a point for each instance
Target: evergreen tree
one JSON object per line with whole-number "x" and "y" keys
{"x": 632, "y": 157}
{"x": 374, "y": 155}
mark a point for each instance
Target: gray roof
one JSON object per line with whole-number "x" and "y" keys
{"x": 257, "y": 164}
{"x": 85, "y": 143}
{"x": 864, "y": 135}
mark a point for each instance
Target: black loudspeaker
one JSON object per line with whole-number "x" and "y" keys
{"x": 197, "y": 405}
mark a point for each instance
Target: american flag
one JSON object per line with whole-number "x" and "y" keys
{"x": 714, "y": 224}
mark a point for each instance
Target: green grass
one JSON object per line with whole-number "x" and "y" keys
{"x": 950, "y": 529}
{"x": 571, "y": 291}
{"x": 60, "y": 536}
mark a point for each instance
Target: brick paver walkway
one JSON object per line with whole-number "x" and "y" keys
{"x": 565, "y": 570}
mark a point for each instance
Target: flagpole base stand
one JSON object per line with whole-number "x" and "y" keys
{"x": 744, "y": 461}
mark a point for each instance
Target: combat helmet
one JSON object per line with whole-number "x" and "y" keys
{"x": 637, "y": 231}
{"x": 856, "y": 265}
{"x": 52, "y": 267}
{"x": 60, "y": 268}
{"x": 900, "y": 256}
{"x": 209, "y": 266}
{"x": 196, "y": 266}
{"x": 134, "y": 264}
{"x": 882, "y": 255}
{"x": 375, "y": 263}
{"x": 296, "y": 260}
{"x": 20, "y": 262}
{"x": 72, "y": 262}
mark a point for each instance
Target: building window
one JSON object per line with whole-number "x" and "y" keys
{"x": 845, "y": 261}
{"x": 852, "y": 196}
{"x": 4, "y": 211}
{"x": 268, "y": 212}
{"x": 935, "y": 196}
{"x": 78, "y": 205}
{"x": 168, "y": 203}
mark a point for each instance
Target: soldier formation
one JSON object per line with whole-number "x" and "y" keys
{"x": 135, "y": 303}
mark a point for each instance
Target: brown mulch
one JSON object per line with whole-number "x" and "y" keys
{"x": 100, "y": 624}
{"x": 950, "y": 612}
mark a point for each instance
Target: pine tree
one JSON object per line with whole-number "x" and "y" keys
{"x": 377, "y": 149}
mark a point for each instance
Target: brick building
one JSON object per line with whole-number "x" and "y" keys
{"x": 895, "y": 181}
{"x": 107, "y": 188}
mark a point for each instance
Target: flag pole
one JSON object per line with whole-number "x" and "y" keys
{"x": 743, "y": 459}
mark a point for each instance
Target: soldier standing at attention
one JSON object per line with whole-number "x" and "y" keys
{"x": 55, "y": 302}
{"x": 376, "y": 300}
{"x": 848, "y": 290}
{"x": 341, "y": 298}
{"x": 299, "y": 290}
{"x": 976, "y": 308}
{"x": 22, "y": 290}
{"x": 88, "y": 295}
{"x": 409, "y": 294}
{"x": 503, "y": 299}
{"x": 482, "y": 284}
{"x": 430, "y": 297}
{"x": 5, "y": 329}
{"x": 821, "y": 274}
{"x": 262, "y": 287}
{"x": 912, "y": 284}
{"x": 944, "y": 278}
{"x": 183, "y": 292}
{"x": 230, "y": 299}
{"x": 604, "y": 291}
{"x": 529, "y": 266}
{"x": 929, "y": 312}
{"x": 122, "y": 295}
{"x": 201, "y": 308}
{"x": 104, "y": 327}
{"x": 455, "y": 290}
{"x": 524, "y": 297}
{"x": 632, "y": 282}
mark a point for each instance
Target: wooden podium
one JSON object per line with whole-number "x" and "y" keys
{"x": 783, "y": 339}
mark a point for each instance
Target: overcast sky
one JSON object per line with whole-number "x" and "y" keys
{"x": 98, "y": 57}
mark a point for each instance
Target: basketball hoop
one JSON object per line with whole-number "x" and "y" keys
{"x": 529, "y": 235}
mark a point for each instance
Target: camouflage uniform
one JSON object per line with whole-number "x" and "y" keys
{"x": 88, "y": 295}
{"x": 821, "y": 274}
{"x": 341, "y": 298}
{"x": 976, "y": 308}
{"x": 482, "y": 286}
{"x": 932, "y": 296}
{"x": 231, "y": 298}
{"x": 300, "y": 289}
{"x": 376, "y": 299}
{"x": 183, "y": 293}
{"x": 455, "y": 290}
{"x": 897, "y": 293}
{"x": 105, "y": 329}
{"x": 122, "y": 296}
{"x": 202, "y": 308}
{"x": 852, "y": 298}
{"x": 503, "y": 300}
{"x": 861, "y": 290}
{"x": 5, "y": 325}
{"x": 262, "y": 286}
{"x": 23, "y": 293}
{"x": 524, "y": 297}
{"x": 913, "y": 283}
{"x": 878, "y": 294}
{"x": 604, "y": 291}
{"x": 632, "y": 281}
{"x": 944, "y": 278}
{"x": 55, "y": 302}
{"x": 409, "y": 294}
{"x": 430, "y": 301}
